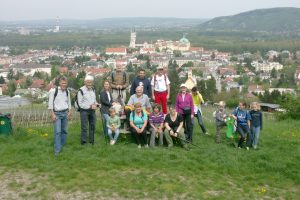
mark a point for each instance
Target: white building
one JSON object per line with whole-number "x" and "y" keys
{"x": 266, "y": 66}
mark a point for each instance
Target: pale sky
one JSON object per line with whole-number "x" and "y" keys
{"x": 97, "y": 9}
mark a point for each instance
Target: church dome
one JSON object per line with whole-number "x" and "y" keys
{"x": 184, "y": 40}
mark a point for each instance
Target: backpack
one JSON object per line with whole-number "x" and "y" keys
{"x": 55, "y": 95}
{"x": 113, "y": 76}
{"x": 76, "y": 104}
{"x": 165, "y": 77}
{"x": 133, "y": 115}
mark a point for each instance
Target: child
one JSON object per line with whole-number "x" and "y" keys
{"x": 256, "y": 123}
{"x": 156, "y": 121}
{"x": 242, "y": 116}
{"x": 220, "y": 117}
{"x": 113, "y": 125}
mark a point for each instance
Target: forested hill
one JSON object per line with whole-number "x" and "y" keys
{"x": 269, "y": 20}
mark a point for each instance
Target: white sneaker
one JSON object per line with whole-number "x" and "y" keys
{"x": 139, "y": 146}
{"x": 111, "y": 142}
{"x": 146, "y": 146}
{"x": 206, "y": 133}
{"x": 247, "y": 148}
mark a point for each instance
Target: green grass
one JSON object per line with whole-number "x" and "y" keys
{"x": 28, "y": 168}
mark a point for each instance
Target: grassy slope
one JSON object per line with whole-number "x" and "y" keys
{"x": 28, "y": 168}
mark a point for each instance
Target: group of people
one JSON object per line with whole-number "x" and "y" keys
{"x": 248, "y": 124}
{"x": 141, "y": 116}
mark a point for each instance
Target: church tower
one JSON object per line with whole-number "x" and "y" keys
{"x": 132, "y": 38}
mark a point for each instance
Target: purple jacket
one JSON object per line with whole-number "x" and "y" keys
{"x": 188, "y": 102}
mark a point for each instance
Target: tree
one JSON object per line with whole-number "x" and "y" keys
{"x": 273, "y": 73}
{"x": 2, "y": 81}
{"x": 177, "y": 53}
{"x": 174, "y": 81}
{"x": 12, "y": 86}
{"x": 54, "y": 71}
{"x": 10, "y": 74}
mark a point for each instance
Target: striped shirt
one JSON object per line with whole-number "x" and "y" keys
{"x": 156, "y": 120}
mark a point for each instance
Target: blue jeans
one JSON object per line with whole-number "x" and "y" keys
{"x": 87, "y": 119}
{"x": 60, "y": 130}
{"x": 117, "y": 132}
{"x": 200, "y": 122}
{"x": 255, "y": 135}
{"x": 241, "y": 128}
{"x": 104, "y": 118}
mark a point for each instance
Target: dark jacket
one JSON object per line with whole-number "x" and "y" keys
{"x": 143, "y": 82}
{"x": 105, "y": 103}
{"x": 257, "y": 119}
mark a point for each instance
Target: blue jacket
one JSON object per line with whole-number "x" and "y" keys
{"x": 141, "y": 82}
{"x": 242, "y": 116}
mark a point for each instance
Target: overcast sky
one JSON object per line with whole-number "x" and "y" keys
{"x": 96, "y": 9}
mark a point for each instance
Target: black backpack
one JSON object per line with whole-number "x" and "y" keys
{"x": 76, "y": 104}
{"x": 55, "y": 95}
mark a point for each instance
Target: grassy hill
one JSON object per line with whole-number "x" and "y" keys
{"x": 269, "y": 20}
{"x": 29, "y": 170}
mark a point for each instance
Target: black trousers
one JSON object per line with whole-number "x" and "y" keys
{"x": 139, "y": 136}
{"x": 87, "y": 119}
{"x": 187, "y": 124}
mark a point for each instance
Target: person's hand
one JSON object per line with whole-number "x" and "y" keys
{"x": 53, "y": 117}
{"x": 113, "y": 103}
{"x": 172, "y": 132}
{"x": 153, "y": 97}
{"x": 175, "y": 134}
{"x": 69, "y": 115}
{"x": 192, "y": 116}
{"x": 94, "y": 106}
{"x": 168, "y": 96}
{"x": 159, "y": 130}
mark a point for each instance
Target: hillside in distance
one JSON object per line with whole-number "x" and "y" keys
{"x": 283, "y": 20}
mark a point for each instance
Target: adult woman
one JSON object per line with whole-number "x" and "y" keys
{"x": 156, "y": 121}
{"x": 106, "y": 102}
{"x": 198, "y": 100}
{"x": 185, "y": 106}
{"x": 138, "y": 123}
{"x": 174, "y": 128}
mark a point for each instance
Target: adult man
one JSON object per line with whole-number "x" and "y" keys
{"x": 60, "y": 107}
{"x": 87, "y": 103}
{"x": 160, "y": 88}
{"x": 119, "y": 82}
{"x": 141, "y": 80}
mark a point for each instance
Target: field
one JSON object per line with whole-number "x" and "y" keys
{"x": 29, "y": 169}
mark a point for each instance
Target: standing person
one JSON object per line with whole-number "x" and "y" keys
{"x": 141, "y": 80}
{"x": 198, "y": 101}
{"x": 156, "y": 121}
{"x": 113, "y": 125}
{"x": 160, "y": 88}
{"x": 185, "y": 106}
{"x": 119, "y": 82}
{"x": 242, "y": 117}
{"x": 174, "y": 128}
{"x": 138, "y": 123}
{"x": 220, "y": 116}
{"x": 60, "y": 107}
{"x": 87, "y": 103}
{"x": 256, "y": 122}
{"x": 106, "y": 102}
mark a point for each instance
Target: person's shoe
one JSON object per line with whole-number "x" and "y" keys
{"x": 247, "y": 148}
{"x": 139, "y": 146}
{"x": 146, "y": 146}
{"x": 111, "y": 142}
{"x": 56, "y": 154}
{"x": 170, "y": 145}
{"x": 254, "y": 147}
{"x": 206, "y": 133}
